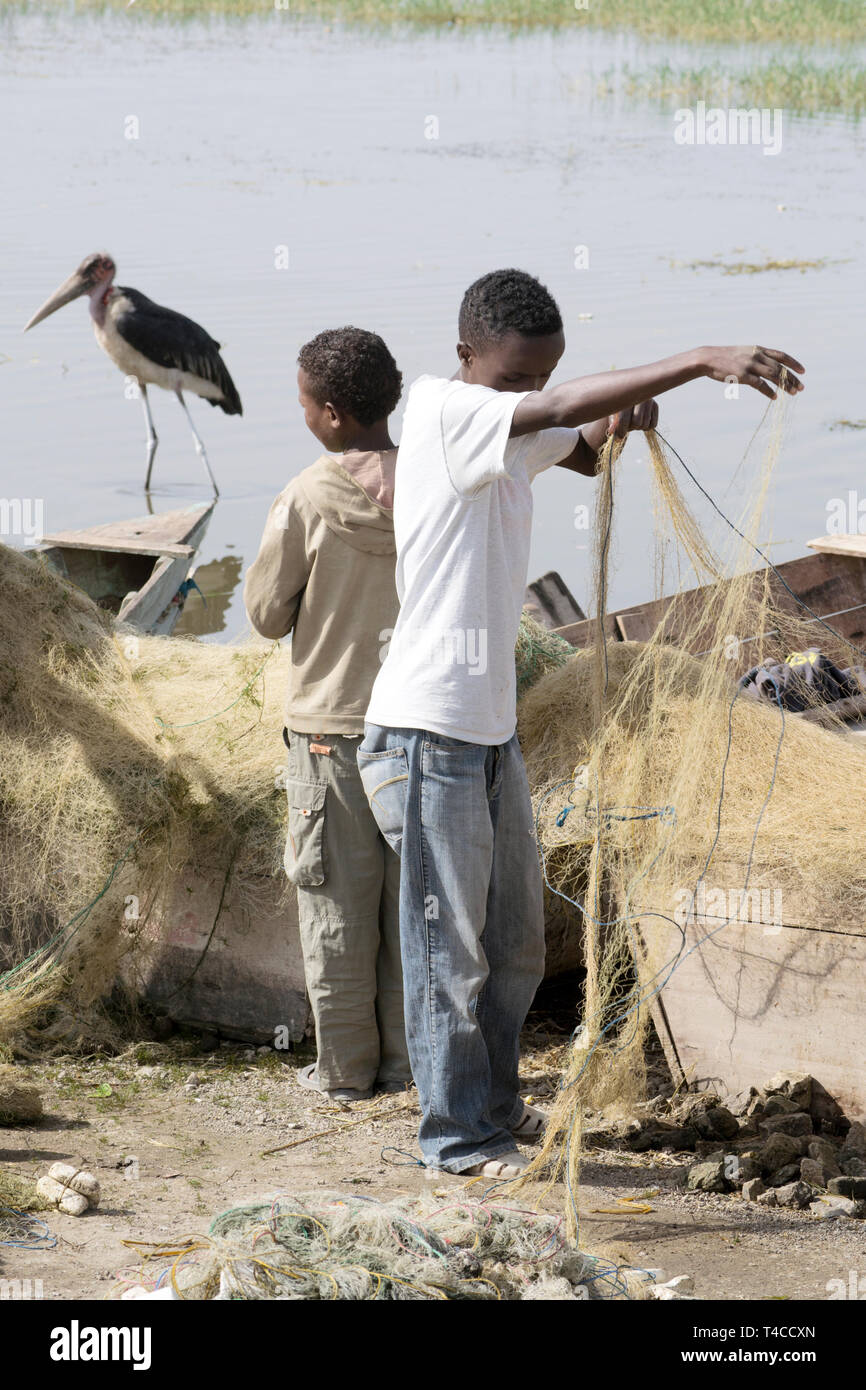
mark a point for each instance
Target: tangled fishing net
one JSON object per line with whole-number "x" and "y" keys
{"x": 654, "y": 776}
{"x": 333, "y": 1247}
{"x": 538, "y": 650}
{"x": 17, "y": 1194}
{"x": 123, "y": 760}
{"x": 20, "y": 1101}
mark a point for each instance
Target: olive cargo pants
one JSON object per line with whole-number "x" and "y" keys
{"x": 348, "y": 884}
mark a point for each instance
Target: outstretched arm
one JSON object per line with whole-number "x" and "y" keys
{"x": 587, "y": 399}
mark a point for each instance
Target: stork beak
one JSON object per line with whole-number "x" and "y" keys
{"x": 71, "y": 289}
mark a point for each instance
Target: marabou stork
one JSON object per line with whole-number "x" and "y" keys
{"x": 156, "y": 346}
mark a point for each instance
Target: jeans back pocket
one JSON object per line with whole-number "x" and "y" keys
{"x": 304, "y": 859}
{"x": 385, "y": 777}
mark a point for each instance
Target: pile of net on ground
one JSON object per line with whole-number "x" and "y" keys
{"x": 330, "y": 1246}
{"x": 17, "y": 1195}
{"x": 123, "y": 759}
{"x": 653, "y": 775}
{"x": 20, "y": 1101}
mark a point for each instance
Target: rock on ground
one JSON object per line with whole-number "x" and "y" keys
{"x": 708, "y": 1177}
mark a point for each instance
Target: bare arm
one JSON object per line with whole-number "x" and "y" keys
{"x": 586, "y": 399}
{"x": 584, "y": 458}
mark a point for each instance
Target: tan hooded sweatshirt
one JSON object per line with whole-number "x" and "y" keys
{"x": 325, "y": 573}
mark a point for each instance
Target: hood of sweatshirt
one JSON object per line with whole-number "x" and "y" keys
{"x": 346, "y": 508}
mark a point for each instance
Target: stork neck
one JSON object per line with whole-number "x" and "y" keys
{"x": 99, "y": 297}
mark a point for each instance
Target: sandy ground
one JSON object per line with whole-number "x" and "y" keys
{"x": 175, "y": 1136}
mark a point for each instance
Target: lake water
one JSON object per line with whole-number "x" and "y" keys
{"x": 263, "y": 133}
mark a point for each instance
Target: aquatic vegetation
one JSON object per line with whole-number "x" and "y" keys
{"x": 793, "y": 79}
{"x": 792, "y": 21}
{"x": 796, "y": 85}
{"x": 754, "y": 267}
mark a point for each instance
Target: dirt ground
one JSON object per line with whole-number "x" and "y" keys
{"x": 176, "y": 1136}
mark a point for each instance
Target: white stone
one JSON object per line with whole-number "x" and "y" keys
{"x": 72, "y": 1203}
{"x": 70, "y": 1177}
{"x": 831, "y": 1208}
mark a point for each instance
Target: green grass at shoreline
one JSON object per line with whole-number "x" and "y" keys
{"x": 799, "y": 87}
{"x": 795, "y": 81}
{"x": 736, "y": 21}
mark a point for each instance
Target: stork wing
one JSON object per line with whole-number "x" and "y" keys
{"x": 172, "y": 340}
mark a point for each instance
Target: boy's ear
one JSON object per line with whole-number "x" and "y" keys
{"x": 465, "y": 354}
{"x": 335, "y": 419}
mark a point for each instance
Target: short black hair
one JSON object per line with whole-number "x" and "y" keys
{"x": 507, "y": 301}
{"x": 353, "y": 370}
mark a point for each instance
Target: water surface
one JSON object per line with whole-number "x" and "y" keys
{"x": 267, "y": 133}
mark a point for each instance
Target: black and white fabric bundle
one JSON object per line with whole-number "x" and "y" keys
{"x": 801, "y": 681}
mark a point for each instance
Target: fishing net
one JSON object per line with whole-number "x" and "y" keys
{"x": 538, "y": 650}
{"x": 655, "y": 777}
{"x": 123, "y": 760}
{"x": 18, "y": 1194}
{"x": 329, "y": 1246}
{"x": 20, "y": 1101}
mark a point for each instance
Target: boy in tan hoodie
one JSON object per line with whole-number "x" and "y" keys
{"x": 325, "y": 573}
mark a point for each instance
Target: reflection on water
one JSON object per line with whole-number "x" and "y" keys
{"x": 207, "y": 605}
{"x": 266, "y": 141}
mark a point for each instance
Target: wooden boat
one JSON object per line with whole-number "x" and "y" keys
{"x": 135, "y": 569}
{"x": 753, "y": 998}
{"x": 215, "y": 965}
{"x": 832, "y": 583}
{"x": 756, "y": 997}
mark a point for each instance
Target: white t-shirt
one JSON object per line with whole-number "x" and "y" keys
{"x": 462, "y": 521}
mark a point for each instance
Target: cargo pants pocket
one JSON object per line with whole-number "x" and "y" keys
{"x": 305, "y": 860}
{"x": 385, "y": 777}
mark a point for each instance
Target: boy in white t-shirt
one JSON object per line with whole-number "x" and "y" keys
{"x": 440, "y": 760}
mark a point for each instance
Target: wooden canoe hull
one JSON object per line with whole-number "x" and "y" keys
{"x": 750, "y": 999}
{"x": 134, "y": 568}
{"x": 234, "y": 970}
{"x": 747, "y": 999}
{"x": 244, "y": 976}
{"x": 831, "y": 582}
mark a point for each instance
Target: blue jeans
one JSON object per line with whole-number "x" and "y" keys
{"x": 471, "y": 928}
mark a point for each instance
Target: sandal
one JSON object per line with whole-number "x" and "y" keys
{"x": 510, "y": 1165}
{"x": 531, "y": 1125}
{"x": 308, "y": 1077}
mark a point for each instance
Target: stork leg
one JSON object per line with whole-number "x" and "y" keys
{"x": 152, "y": 440}
{"x": 199, "y": 446}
